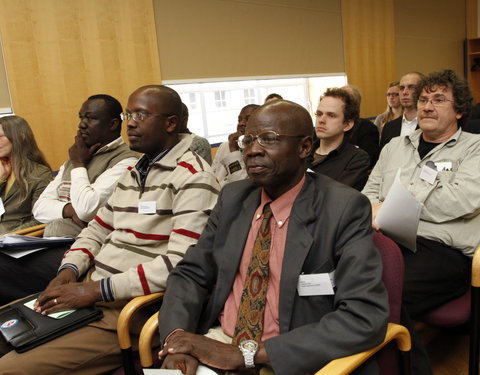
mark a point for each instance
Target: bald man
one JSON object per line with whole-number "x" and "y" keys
{"x": 319, "y": 228}
{"x": 158, "y": 209}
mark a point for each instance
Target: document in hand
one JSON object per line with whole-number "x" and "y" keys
{"x": 399, "y": 215}
{"x": 17, "y": 246}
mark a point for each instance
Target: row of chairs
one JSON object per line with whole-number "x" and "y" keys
{"x": 393, "y": 353}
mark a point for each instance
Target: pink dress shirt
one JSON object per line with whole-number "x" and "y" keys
{"x": 281, "y": 208}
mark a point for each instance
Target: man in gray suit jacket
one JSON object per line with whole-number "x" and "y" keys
{"x": 320, "y": 228}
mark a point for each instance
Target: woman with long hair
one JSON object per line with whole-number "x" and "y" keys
{"x": 24, "y": 174}
{"x": 394, "y": 107}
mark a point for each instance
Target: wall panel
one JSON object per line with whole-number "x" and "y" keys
{"x": 429, "y": 35}
{"x": 369, "y": 41}
{"x": 4, "y": 92}
{"x": 57, "y": 53}
{"x": 237, "y": 38}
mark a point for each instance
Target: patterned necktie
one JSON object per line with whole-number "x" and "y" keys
{"x": 249, "y": 324}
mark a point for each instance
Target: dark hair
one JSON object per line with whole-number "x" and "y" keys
{"x": 449, "y": 79}
{"x": 184, "y": 110}
{"x": 254, "y": 106}
{"x": 112, "y": 105}
{"x": 25, "y": 151}
{"x": 183, "y": 128}
{"x": 351, "y": 110}
{"x": 273, "y": 96}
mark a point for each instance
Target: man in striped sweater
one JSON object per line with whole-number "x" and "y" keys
{"x": 157, "y": 210}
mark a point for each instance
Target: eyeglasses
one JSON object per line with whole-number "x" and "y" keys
{"x": 140, "y": 116}
{"x": 392, "y": 94}
{"x": 265, "y": 139}
{"x": 437, "y": 102}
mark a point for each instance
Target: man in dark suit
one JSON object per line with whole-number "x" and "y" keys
{"x": 364, "y": 133}
{"x": 320, "y": 230}
{"x": 408, "y": 122}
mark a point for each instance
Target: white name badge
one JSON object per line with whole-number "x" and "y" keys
{"x": 317, "y": 284}
{"x": 2, "y": 209}
{"x": 146, "y": 208}
{"x": 428, "y": 174}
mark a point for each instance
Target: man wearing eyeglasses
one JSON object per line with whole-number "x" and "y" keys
{"x": 157, "y": 210}
{"x": 246, "y": 284}
{"x": 407, "y": 123}
{"x": 439, "y": 167}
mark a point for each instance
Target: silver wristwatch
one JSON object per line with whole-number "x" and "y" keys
{"x": 248, "y": 349}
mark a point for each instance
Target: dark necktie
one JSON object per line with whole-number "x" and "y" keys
{"x": 249, "y": 324}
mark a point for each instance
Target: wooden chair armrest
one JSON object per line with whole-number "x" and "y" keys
{"x": 476, "y": 268}
{"x": 345, "y": 365}
{"x": 145, "y": 341}
{"x": 125, "y": 317}
{"x": 35, "y": 231}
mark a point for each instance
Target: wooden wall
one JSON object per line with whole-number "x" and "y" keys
{"x": 57, "y": 53}
{"x": 369, "y": 42}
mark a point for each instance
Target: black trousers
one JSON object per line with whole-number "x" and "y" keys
{"x": 434, "y": 275}
{"x": 29, "y": 274}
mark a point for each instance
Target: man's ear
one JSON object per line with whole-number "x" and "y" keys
{"x": 348, "y": 125}
{"x": 115, "y": 124}
{"x": 306, "y": 145}
{"x": 172, "y": 123}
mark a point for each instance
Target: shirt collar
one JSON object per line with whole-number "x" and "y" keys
{"x": 405, "y": 121}
{"x": 415, "y": 137}
{"x": 114, "y": 144}
{"x": 282, "y": 206}
{"x": 144, "y": 164}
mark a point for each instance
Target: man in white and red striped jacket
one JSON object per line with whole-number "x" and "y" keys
{"x": 157, "y": 210}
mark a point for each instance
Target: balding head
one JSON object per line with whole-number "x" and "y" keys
{"x": 292, "y": 115}
{"x": 170, "y": 100}
{"x": 161, "y": 109}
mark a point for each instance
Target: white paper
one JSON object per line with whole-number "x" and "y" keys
{"x": 399, "y": 215}
{"x": 56, "y": 315}
{"x": 317, "y": 284}
{"x": 201, "y": 370}
{"x": 19, "y": 239}
{"x": 14, "y": 253}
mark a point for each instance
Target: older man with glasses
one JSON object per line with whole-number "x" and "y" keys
{"x": 268, "y": 238}
{"x": 438, "y": 165}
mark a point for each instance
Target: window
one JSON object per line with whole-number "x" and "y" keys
{"x": 214, "y": 105}
{"x": 249, "y": 95}
{"x": 220, "y": 99}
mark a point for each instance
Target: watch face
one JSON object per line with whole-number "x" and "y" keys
{"x": 249, "y": 345}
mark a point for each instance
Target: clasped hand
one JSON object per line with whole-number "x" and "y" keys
{"x": 65, "y": 293}
{"x": 184, "y": 351}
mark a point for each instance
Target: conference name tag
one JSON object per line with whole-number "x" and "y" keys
{"x": 2, "y": 209}
{"x": 428, "y": 174}
{"x": 317, "y": 284}
{"x": 147, "y": 208}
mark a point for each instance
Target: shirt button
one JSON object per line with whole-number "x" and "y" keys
{"x": 280, "y": 223}
{"x": 259, "y": 216}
